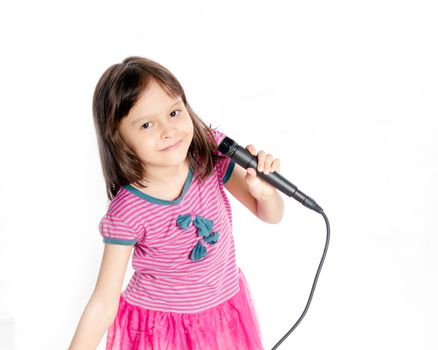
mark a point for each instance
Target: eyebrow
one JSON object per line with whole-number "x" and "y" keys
{"x": 135, "y": 121}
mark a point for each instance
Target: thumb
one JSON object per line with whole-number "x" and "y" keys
{"x": 251, "y": 171}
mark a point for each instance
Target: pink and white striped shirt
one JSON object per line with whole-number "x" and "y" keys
{"x": 164, "y": 234}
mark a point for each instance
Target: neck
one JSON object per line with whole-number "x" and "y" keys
{"x": 167, "y": 176}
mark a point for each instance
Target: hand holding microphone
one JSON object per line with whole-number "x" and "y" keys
{"x": 258, "y": 188}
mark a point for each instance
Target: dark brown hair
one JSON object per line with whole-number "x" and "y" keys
{"x": 116, "y": 92}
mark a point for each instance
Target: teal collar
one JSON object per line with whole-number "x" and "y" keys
{"x": 156, "y": 200}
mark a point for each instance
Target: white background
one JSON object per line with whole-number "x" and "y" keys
{"x": 344, "y": 93}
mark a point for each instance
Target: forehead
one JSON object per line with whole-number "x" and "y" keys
{"x": 153, "y": 101}
{"x": 154, "y": 92}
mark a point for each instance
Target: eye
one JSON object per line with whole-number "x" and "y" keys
{"x": 144, "y": 125}
{"x": 174, "y": 112}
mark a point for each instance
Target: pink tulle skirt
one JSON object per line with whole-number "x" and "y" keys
{"x": 231, "y": 325}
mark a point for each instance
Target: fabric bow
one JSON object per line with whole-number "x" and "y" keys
{"x": 205, "y": 227}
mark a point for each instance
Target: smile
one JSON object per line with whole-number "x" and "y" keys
{"x": 175, "y": 146}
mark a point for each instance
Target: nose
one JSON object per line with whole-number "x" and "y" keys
{"x": 168, "y": 130}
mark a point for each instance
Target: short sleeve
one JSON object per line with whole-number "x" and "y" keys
{"x": 116, "y": 231}
{"x": 224, "y": 166}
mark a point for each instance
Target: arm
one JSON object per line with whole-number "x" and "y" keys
{"x": 103, "y": 304}
{"x": 269, "y": 209}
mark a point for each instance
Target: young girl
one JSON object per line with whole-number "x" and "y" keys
{"x": 165, "y": 180}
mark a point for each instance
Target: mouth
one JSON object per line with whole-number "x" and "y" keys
{"x": 174, "y": 146}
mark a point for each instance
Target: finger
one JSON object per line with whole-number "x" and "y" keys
{"x": 275, "y": 166}
{"x": 261, "y": 160}
{"x": 268, "y": 162}
{"x": 252, "y": 171}
{"x": 251, "y": 149}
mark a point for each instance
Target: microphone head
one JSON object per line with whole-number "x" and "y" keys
{"x": 225, "y": 146}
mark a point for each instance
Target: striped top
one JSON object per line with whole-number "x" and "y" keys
{"x": 184, "y": 258}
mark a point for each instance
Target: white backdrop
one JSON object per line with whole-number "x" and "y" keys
{"x": 344, "y": 93}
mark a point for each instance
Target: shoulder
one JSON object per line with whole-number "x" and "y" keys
{"x": 223, "y": 165}
{"x": 122, "y": 224}
{"x": 218, "y": 135}
{"x": 237, "y": 186}
{"x": 124, "y": 205}
{"x": 118, "y": 201}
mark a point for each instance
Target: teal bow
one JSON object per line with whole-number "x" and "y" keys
{"x": 212, "y": 239}
{"x": 199, "y": 252}
{"x": 205, "y": 227}
{"x": 183, "y": 221}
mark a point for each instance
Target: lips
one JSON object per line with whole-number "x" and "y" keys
{"x": 171, "y": 147}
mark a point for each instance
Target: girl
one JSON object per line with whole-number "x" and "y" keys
{"x": 165, "y": 180}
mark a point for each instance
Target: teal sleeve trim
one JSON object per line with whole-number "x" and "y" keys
{"x": 119, "y": 241}
{"x": 229, "y": 171}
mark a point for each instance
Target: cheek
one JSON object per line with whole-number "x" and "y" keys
{"x": 147, "y": 146}
{"x": 188, "y": 122}
{"x": 139, "y": 146}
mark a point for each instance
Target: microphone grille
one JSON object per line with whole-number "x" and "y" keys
{"x": 226, "y": 145}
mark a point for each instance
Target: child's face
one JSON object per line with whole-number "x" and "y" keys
{"x": 155, "y": 122}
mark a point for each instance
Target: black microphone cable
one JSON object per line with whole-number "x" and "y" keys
{"x": 313, "y": 286}
{"x": 245, "y": 159}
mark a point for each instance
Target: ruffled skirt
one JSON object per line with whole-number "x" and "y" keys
{"x": 231, "y": 325}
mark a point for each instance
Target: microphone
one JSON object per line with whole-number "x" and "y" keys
{"x": 245, "y": 159}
